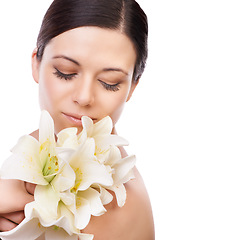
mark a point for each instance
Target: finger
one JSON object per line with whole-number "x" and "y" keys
{"x": 16, "y": 217}
{"x": 30, "y": 188}
{"x": 6, "y": 225}
{"x": 15, "y": 203}
{"x": 15, "y": 196}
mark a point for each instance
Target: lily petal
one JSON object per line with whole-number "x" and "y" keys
{"x": 25, "y": 169}
{"x": 120, "y": 193}
{"x": 56, "y": 233}
{"x": 106, "y": 141}
{"x": 95, "y": 202}
{"x": 46, "y": 128}
{"x": 68, "y": 199}
{"x": 123, "y": 167}
{"x": 65, "y": 179}
{"x": 114, "y": 156}
{"x": 62, "y": 228}
{"x": 87, "y": 125}
{"x": 88, "y": 170}
{"x": 85, "y": 236}
{"x": 83, "y": 213}
{"x": 129, "y": 176}
{"x": 67, "y": 138}
{"x": 85, "y": 152}
{"x": 47, "y": 200}
{"x": 27, "y": 230}
{"x": 64, "y": 153}
{"x": 105, "y": 196}
{"x": 66, "y": 220}
{"x": 103, "y": 127}
{"x": 27, "y": 146}
{"x": 94, "y": 172}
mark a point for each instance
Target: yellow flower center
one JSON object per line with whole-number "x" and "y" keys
{"x": 78, "y": 180}
{"x": 49, "y": 160}
{"x": 56, "y": 228}
{"x": 78, "y": 202}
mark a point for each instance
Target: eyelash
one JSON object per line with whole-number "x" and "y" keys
{"x": 67, "y": 77}
{"x": 64, "y": 76}
{"x": 113, "y": 88}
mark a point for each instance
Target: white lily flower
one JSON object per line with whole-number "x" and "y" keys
{"x": 122, "y": 173}
{"x": 67, "y": 138}
{"x": 33, "y": 227}
{"x": 71, "y": 186}
{"x": 73, "y": 178}
{"x": 88, "y": 172}
{"x": 100, "y": 132}
{"x": 87, "y": 169}
{"x": 48, "y": 197}
{"x": 106, "y": 152}
{"x": 88, "y": 203}
{"x": 34, "y": 161}
{"x": 40, "y": 163}
{"x": 71, "y": 217}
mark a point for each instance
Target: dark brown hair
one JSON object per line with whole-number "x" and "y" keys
{"x": 124, "y": 15}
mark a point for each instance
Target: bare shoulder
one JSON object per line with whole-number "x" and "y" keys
{"x": 132, "y": 222}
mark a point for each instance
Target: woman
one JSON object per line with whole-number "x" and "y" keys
{"x": 89, "y": 58}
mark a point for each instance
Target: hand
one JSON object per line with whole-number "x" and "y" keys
{"x": 15, "y": 194}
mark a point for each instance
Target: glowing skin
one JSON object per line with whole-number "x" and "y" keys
{"x": 85, "y": 71}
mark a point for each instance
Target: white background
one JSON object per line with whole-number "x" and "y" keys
{"x": 185, "y": 121}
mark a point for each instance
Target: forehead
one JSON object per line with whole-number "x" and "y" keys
{"x": 93, "y": 45}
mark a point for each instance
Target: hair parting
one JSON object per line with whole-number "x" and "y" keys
{"x": 122, "y": 15}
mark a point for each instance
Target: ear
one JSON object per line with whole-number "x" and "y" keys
{"x": 35, "y": 65}
{"x": 132, "y": 89}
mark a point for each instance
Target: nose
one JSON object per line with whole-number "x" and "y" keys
{"x": 84, "y": 92}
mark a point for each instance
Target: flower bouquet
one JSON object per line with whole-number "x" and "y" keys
{"x": 74, "y": 174}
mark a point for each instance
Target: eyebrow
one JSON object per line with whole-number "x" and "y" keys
{"x": 67, "y": 58}
{"x": 115, "y": 70}
{"x": 78, "y": 64}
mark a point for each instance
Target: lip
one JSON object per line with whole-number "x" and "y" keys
{"x": 75, "y": 119}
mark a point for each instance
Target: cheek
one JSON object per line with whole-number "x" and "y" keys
{"x": 49, "y": 93}
{"x": 114, "y": 104}
{"x": 117, "y": 113}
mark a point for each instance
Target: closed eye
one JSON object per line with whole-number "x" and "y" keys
{"x": 64, "y": 76}
{"x": 109, "y": 87}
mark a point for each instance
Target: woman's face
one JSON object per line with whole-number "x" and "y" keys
{"x": 86, "y": 71}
